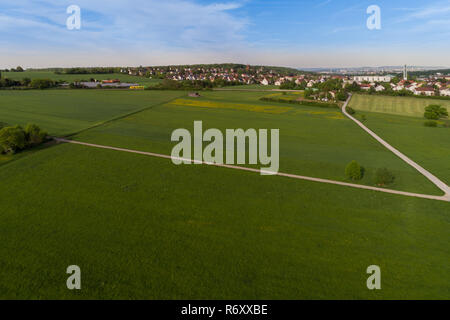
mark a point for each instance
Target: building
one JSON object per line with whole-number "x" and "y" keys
{"x": 427, "y": 91}
{"x": 405, "y": 73}
{"x": 372, "y": 78}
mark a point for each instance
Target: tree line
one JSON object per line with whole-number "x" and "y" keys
{"x": 16, "y": 138}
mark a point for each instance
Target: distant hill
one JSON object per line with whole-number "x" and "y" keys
{"x": 239, "y": 68}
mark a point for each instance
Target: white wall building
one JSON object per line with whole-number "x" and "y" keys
{"x": 372, "y": 78}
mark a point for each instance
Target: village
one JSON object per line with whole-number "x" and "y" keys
{"x": 432, "y": 85}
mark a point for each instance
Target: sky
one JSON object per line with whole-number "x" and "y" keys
{"x": 294, "y": 33}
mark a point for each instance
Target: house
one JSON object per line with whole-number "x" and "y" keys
{"x": 372, "y": 78}
{"x": 379, "y": 88}
{"x": 365, "y": 86}
{"x": 445, "y": 92}
{"x": 427, "y": 91}
{"x": 265, "y": 82}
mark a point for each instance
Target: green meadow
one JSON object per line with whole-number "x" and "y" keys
{"x": 405, "y": 106}
{"x": 79, "y": 77}
{"x": 430, "y": 147}
{"x": 62, "y": 112}
{"x": 143, "y": 228}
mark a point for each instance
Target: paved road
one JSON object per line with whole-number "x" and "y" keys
{"x": 440, "y": 184}
{"x": 293, "y": 176}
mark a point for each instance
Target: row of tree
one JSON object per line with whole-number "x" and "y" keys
{"x": 354, "y": 171}
{"x": 28, "y": 83}
{"x": 16, "y": 138}
{"x": 193, "y": 85}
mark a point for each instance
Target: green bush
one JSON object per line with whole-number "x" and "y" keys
{"x": 354, "y": 171}
{"x": 42, "y": 83}
{"x": 430, "y": 124}
{"x": 310, "y": 103}
{"x": 34, "y": 135}
{"x": 12, "y": 139}
{"x": 435, "y": 112}
{"x": 383, "y": 177}
{"x": 15, "y": 138}
{"x": 351, "y": 110}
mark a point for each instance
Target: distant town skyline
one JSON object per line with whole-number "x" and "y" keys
{"x": 300, "y": 34}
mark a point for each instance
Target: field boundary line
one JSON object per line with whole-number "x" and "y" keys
{"x": 435, "y": 180}
{"x": 287, "y": 175}
{"x": 119, "y": 117}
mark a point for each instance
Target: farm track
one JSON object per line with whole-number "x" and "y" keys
{"x": 435, "y": 180}
{"x": 287, "y": 175}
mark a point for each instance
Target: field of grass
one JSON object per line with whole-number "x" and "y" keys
{"x": 406, "y": 106}
{"x": 78, "y": 77}
{"x": 313, "y": 141}
{"x": 141, "y": 227}
{"x": 61, "y": 112}
{"x": 430, "y": 147}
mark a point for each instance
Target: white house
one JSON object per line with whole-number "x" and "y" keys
{"x": 265, "y": 82}
{"x": 379, "y": 88}
{"x": 428, "y": 91}
{"x": 445, "y": 92}
{"x": 372, "y": 78}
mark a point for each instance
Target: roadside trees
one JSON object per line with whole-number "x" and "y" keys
{"x": 435, "y": 112}
{"x": 354, "y": 171}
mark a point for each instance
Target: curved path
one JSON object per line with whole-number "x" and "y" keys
{"x": 293, "y": 176}
{"x": 436, "y": 181}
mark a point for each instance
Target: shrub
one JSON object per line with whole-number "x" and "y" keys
{"x": 351, "y": 110}
{"x": 34, "y": 135}
{"x": 12, "y": 139}
{"x": 42, "y": 83}
{"x": 383, "y": 177}
{"x": 354, "y": 171}
{"x": 430, "y": 124}
{"x": 435, "y": 112}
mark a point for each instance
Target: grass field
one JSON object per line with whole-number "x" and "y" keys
{"x": 307, "y": 146}
{"x": 66, "y": 111}
{"x": 430, "y": 147}
{"x": 405, "y": 106}
{"x": 141, "y": 227}
{"x": 78, "y": 77}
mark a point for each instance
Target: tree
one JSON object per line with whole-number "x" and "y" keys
{"x": 12, "y": 139}
{"x": 19, "y": 69}
{"x": 435, "y": 112}
{"x": 350, "y": 110}
{"x": 34, "y": 135}
{"x": 383, "y": 177}
{"x": 42, "y": 83}
{"x": 354, "y": 171}
{"x": 26, "y": 81}
{"x": 342, "y": 95}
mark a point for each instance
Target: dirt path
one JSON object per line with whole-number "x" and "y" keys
{"x": 293, "y": 176}
{"x": 436, "y": 181}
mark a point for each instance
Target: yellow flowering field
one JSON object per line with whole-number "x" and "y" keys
{"x": 234, "y": 106}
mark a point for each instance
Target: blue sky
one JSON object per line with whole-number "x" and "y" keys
{"x": 297, "y": 33}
